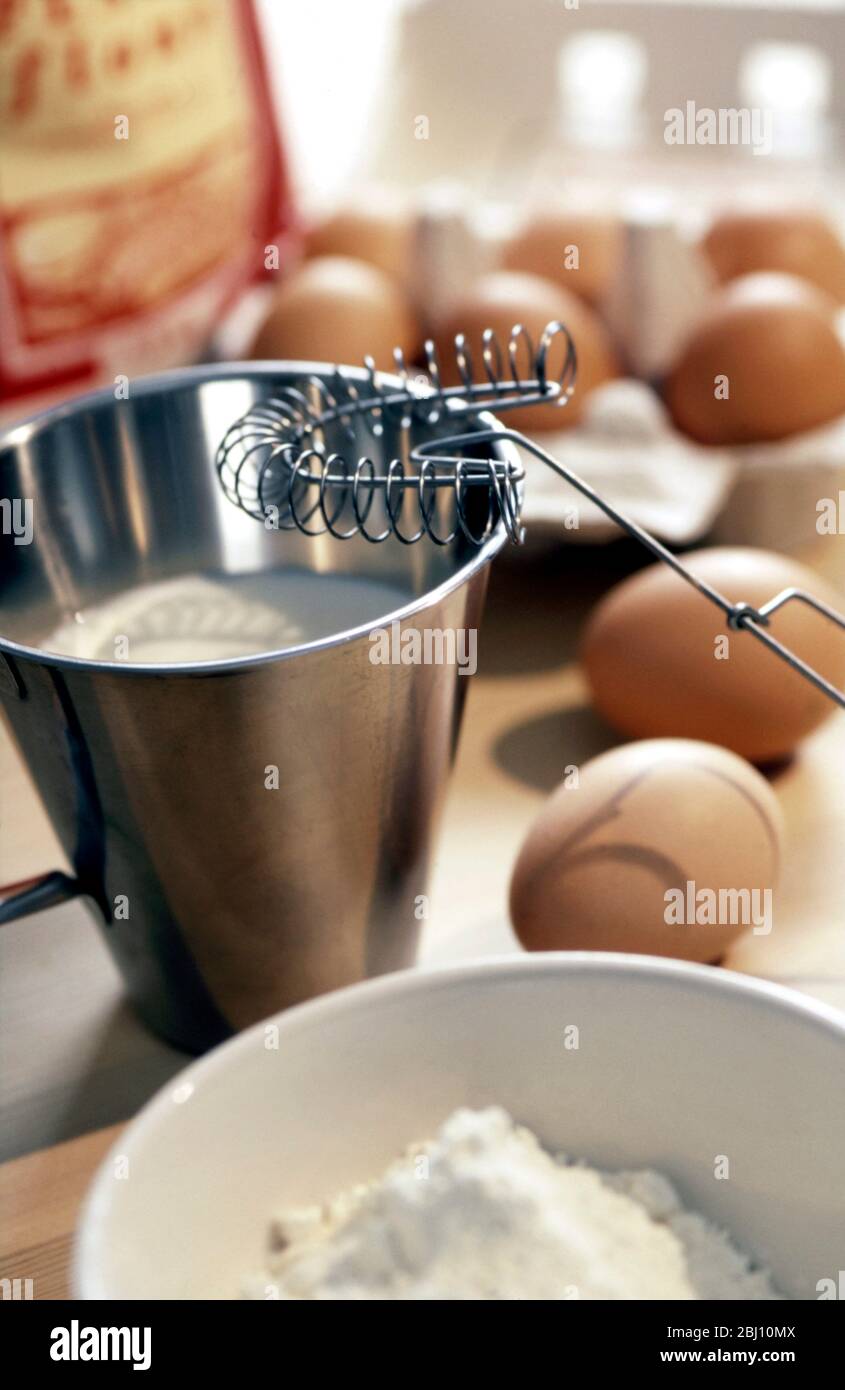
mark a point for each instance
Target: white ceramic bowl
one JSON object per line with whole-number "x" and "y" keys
{"x": 676, "y": 1064}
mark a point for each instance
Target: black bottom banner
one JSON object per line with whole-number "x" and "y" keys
{"x": 156, "y": 1337}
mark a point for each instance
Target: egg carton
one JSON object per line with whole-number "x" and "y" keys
{"x": 770, "y": 495}
{"x": 532, "y": 143}
{"x": 625, "y": 445}
{"x": 514, "y": 107}
{"x": 784, "y": 496}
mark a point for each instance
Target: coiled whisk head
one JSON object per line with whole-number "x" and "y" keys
{"x": 288, "y": 461}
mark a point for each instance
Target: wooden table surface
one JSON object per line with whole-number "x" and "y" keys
{"x": 74, "y": 1058}
{"x": 40, "y": 1196}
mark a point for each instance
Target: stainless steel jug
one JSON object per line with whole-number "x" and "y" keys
{"x": 236, "y": 898}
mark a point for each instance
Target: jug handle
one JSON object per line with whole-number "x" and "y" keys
{"x": 35, "y": 895}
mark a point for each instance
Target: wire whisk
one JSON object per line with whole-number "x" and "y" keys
{"x": 275, "y": 462}
{"x": 278, "y": 463}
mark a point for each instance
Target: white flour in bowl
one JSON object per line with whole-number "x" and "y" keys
{"x": 484, "y": 1212}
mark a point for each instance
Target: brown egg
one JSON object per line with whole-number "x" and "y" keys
{"x": 666, "y": 847}
{"x": 377, "y": 229}
{"x": 789, "y": 239}
{"x": 661, "y": 660}
{"x": 579, "y": 251}
{"x": 763, "y": 362}
{"x": 505, "y": 298}
{"x": 335, "y": 309}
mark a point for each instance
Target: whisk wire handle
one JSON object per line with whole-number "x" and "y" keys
{"x": 740, "y": 616}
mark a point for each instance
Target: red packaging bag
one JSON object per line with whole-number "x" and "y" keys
{"x": 141, "y": 182}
